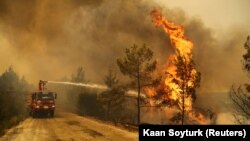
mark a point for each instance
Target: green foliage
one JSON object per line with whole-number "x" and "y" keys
{"x": 13, "y": 92}
{"x": 79, "y": 76}
{"x": 138, "y": 63}
{"x": 88, "y": 104}
{"x": 111, "y": 79}
{"x": 246, "y": 56}
{"x": 240, "y": 96}
{"x": 112, "y": 101}
{"x": 10, "y": 122}
{"x": 73, "y": 92}
{"x": 83, "y": 100}
{"x": 241, "y": 102}
{"x": 107, "y": 104}
{"x": 247, "y": 43}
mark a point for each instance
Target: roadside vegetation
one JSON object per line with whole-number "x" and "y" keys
{"x": 13, "y": 90}
{"x": 113, "y": 105}
{"x": 240, "y": 95}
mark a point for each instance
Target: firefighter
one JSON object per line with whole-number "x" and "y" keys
{"x": 42, "y": 85}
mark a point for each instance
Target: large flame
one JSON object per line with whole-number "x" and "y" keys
{"x": 177, "y": 84}
{"x": 183, "y": 49}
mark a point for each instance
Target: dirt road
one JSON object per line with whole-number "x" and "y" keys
{"x": 66, "y": 127}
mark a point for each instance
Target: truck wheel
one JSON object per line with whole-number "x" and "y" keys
{"x": 34, "y": 114}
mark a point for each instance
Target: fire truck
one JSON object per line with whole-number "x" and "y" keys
{"x": 42, "y": 102}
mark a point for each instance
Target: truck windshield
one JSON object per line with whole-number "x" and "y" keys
{"x": 45, "y": 96}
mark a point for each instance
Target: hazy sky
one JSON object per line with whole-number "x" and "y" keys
{"x": 220, "y": 13}
{"x": 50, "y": 39}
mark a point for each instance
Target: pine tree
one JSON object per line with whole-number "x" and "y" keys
{"x": 138, "y": 64}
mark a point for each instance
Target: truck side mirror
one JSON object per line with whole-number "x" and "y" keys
{"x": 55, "y": 95}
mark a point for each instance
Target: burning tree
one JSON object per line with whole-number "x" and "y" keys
{"x": 241, "y": 96}
{"x": 182, "y": 78}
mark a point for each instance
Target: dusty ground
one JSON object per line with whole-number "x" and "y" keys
{"x": 66, "y": 127}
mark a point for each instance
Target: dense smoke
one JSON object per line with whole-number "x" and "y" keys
{"x": 50, "y": 39}
{"x": 44, "y": 37}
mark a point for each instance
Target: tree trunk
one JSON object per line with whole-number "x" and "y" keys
{"x": 138, "y": 96}
{"x": 183, "y": 108}
{"x": 184, "y": 92}
{"x": 138, "y": 99}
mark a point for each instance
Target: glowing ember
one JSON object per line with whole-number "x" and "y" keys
{"x": 150, "y": 93}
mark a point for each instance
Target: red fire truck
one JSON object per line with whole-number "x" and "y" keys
{"x": 42, "y": 101}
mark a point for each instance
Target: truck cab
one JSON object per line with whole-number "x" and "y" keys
{"x": 42, "y": 102}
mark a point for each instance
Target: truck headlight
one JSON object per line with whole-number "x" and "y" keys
{"x": 53, "y": 106}
{"x": 37, "y": 106}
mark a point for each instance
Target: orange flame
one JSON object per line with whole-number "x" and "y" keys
{"x": 183, "y": 49}
{"x": 197, "y": 116}
{"x": 150, "y": 93}
{"x": 181, "y": 75}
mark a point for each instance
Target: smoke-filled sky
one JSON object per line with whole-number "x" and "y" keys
{"x": 48, "y": 40}
{"x": 216, "y": 14}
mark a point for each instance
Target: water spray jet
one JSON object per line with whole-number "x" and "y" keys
{"x": 96, "y": 86}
